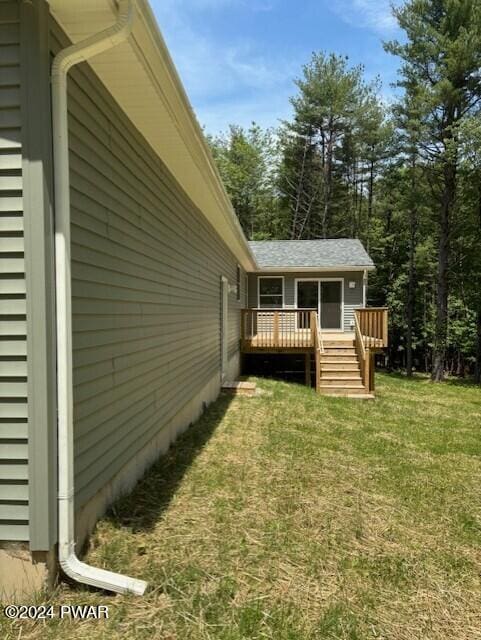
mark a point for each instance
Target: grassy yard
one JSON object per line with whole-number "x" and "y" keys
{"x": 295, "y": 517}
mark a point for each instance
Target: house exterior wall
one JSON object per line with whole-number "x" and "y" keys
{"x": 353, "y": 298}
{"x": 27, "y": 363}
{"x": 146, "y": 284}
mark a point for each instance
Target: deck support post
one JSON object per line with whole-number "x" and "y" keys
{"x": 308, "y": 368}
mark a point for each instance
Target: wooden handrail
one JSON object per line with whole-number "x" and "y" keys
{"x": 373, "y": 326}
{"x": 358, "y": 335}
{"x": 363, "y": 354}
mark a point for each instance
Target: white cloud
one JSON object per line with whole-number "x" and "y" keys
{"x": 372, "y": 14}
{"x": 227, "y": 82}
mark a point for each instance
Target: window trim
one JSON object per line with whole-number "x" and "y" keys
{"x": 259, "y": 278}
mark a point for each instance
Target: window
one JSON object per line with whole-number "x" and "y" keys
{"x": 238, "y": 284}
{"x": 271, "y": 293}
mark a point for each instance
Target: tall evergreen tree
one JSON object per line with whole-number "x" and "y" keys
{"x": 442, "y": 56}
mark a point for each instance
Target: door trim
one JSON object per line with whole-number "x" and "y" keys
{"x": 224, "y": 327}
{"x": 319, "y": 280}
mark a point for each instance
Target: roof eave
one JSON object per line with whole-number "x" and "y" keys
{"x": 343, "y": 268}
{"x": 195, "y": 170}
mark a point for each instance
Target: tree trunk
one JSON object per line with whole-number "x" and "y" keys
{"x": 460, "y": 371}
{"x": 440, "y": 339}
{"x": 370, "y": 201}
{"x": 411, "y": 294}
{"x": 477, "y": 374}
{"x": 326, "y": 215}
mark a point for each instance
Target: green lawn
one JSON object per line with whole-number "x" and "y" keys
{"x": 290, "y": 516}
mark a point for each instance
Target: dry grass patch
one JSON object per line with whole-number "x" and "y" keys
{"x": 293, "y": 517}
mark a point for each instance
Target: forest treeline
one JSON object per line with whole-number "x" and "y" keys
{"x": 404, "y": 178}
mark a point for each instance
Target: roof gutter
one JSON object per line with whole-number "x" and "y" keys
{"x": 63, "y": 62}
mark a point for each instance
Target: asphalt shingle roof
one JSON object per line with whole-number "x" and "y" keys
{"x": 310, "y": 253}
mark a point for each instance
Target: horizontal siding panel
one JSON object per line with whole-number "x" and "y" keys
{"x": 13, "y": 328}
{"x": 9, "y": 33}
{"x": 9, "y": 12}
{"x": 10, "y": 224}
{"x": 10, "y": 138}
{"x": 13, "y": 410}
{"x": 13, "y": 471}
{"x": 13, "y": 307}
{"x": 12, "y": 244}
{"x": 9, "y": 96}
{"x": 10, "y": 161}
{"x": 9, "y": 451}
{"x": 9, "y": 54}
{"x": 12, "y": 368}
{"x": 13, "y": 512}
{"x": 10, "y": 77}
{"x": 14, "y": 532}
{"x": 10, "y": 183}
{"x": 17, "y": 491}
{"x": 11, "y": 204}
{"x": 10, "y": 116}
{"x": 13, "y": 389}
{"x": 12, "y": 265}
{"x": 13, "y": 430}
{"x": 12, "y": 286}
{"x": 12, "y": 347}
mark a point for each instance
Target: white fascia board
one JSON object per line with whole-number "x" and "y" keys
{"x": 280, "y": 270}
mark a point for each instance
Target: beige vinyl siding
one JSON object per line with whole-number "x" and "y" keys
{"x": 146, "y": 272}
{"x": 13, "y": 366}
{"x": 353, "y": 298}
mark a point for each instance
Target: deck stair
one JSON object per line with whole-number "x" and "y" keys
{"x": 340, "y": 369}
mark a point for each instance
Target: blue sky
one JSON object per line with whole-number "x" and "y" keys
{"x": 238, "y": 58}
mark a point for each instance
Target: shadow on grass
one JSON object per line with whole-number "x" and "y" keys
{"x": 141, "y": 509}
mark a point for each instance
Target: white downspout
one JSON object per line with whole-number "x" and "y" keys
{"x": 64, "y": 60}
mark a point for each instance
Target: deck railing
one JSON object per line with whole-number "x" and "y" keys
{"x": 373, "y": 326}
{"x": 318, "y": 345}
{"x": 277, "y": 328}
{"x": 363, "y": 356}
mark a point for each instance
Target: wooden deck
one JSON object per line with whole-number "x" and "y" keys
{"x": 342, "y": 361}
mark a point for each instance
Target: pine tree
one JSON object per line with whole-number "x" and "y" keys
{"x": 442, "y": 56}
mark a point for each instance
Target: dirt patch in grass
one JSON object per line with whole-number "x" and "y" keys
{"x": 290, "y": 516}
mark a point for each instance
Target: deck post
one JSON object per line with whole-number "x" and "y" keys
{"x": 276, "y": 329}
{"x": 372, "y": 383}
{"x": 308, "y": 368}
{"x": 367, "y": 370}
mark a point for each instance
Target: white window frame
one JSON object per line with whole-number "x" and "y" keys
{"x": 319, "y": 280}
{"x": 273, "y": 277}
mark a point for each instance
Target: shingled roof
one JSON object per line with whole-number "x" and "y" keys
{"x": 310, "y": 254}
